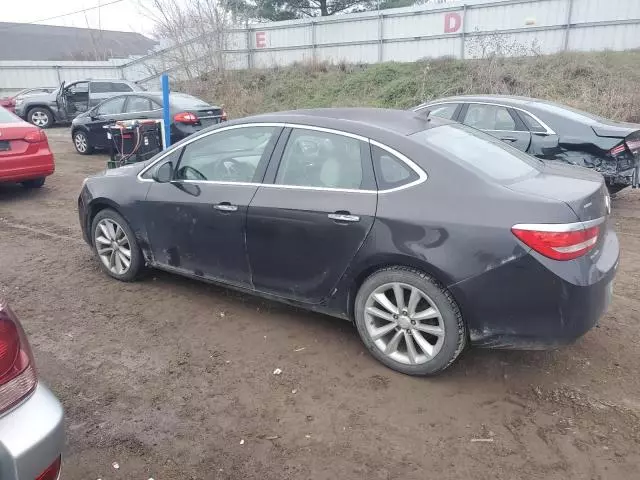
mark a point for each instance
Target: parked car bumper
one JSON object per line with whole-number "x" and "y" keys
{"x": 37, "y": 165}
{"x": 31, "y": 437}
{"x": 534, "y": 303}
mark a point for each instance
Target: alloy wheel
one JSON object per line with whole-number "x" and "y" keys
{"x": 404, "y": 323}
{"x": 80, "y": 141}
{"x": 113, "y": 247}
{"x": 39, "y": 118}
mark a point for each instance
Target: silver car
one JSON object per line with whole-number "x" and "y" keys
{"x": 31, "y": 418}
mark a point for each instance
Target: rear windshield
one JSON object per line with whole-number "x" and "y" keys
{"x": 7, "y": 117}
{"x": 187, "y": 102}
{"x": 480, "y": 152}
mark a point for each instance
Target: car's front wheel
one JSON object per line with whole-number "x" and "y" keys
{"x": 81, "y": 142}
{"x": 116, "y": 246}
{"x": 409, "y": 321}
{"x": 40, "y": 117}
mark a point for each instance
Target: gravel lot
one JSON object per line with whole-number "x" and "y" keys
{"x": 173, "y": 379}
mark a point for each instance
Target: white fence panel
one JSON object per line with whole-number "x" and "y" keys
{"x": 466, "y": 28}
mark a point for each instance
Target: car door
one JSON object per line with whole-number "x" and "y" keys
{"x": 196, "y": 222}
{"x": 497, "y": 120}
{"x": 76, "y": 99}
{"x": 110, "y": 111}
{"x": 312, "y": 214}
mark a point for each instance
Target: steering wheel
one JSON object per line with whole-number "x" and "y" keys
{"x": 187, "y": 171}
{"x": 230, "y": 169}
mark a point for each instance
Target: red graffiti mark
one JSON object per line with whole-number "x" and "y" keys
{"x": 452, "y": 22}
{"x": 261, "y": 39}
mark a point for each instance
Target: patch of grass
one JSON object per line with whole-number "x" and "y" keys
{"x": 606, "y": 83}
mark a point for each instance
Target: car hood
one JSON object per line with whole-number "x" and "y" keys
{"x": 39, "y": 97}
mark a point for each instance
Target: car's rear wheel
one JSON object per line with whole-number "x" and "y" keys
{"x": 40, "y": 117}
{"x": 34, "y": 183}
{"x": 81, "y": 142}
{"x": 409, "y": 321}
{"x": 115, "y": 245}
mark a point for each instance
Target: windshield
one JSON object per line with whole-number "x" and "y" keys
{"x": 479, "y": 152}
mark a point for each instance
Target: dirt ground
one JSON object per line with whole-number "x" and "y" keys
{"x": 173, "y": 379}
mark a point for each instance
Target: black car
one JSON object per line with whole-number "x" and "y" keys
{"x": 551, "y": 131}
{"x": 188, "y": 115}
{"x": 427, "y": 233}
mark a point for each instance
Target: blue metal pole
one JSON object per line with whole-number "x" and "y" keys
{"x": 166, "y": 114}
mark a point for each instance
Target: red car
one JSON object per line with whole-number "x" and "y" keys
{"x": 25, "y": 156}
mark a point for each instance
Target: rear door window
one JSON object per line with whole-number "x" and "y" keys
{"x": 489, "y": 117}
{"x": 112, "y": 106}
{"x": 120, "y": 87}
{"x": 100, "y": 87}
{"x": 479, "y": 152}
{"x": 322, "y": 160}
{"x": 138, "y": 104}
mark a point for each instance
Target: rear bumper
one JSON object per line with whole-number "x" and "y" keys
{"x": 40, "y": 164}
{"x": 31, "y": 436}
{"x": 526, "y": 305}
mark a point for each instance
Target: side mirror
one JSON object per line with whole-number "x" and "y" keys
{"x": 164, "y": 173}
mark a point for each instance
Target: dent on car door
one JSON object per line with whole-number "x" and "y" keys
{"x": 196, "y": 222}
{"x": 312, "y": 215}
{"x": 498, "y": 121}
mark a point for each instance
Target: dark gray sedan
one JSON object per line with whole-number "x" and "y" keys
{"x": 428, "y": 234}
{"x": 550, "y": 131}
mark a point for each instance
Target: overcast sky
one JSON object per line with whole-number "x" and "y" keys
{"x": 126, "y": 15}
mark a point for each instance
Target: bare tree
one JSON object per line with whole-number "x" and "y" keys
{"x": 196, "y": 32}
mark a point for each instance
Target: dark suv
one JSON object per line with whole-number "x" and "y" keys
{"x": 65, "y": 103}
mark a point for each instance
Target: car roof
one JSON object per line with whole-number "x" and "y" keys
{"x": 359, "y": 121}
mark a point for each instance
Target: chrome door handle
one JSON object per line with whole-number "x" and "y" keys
{"x": 226, "y": 207}
{"x": 343, "y": 217}
{"x": 509, "y": 139}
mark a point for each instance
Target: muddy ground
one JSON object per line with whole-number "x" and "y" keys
{"x": 168, "y": 376}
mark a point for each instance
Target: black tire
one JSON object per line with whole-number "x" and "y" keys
{"x": 136, "y": 261}
{"x": 613, "y": 189}
{"x": 455, "y": 333}
{"x": 35, "y": 183}
{"x": 81, "y": 142}
{"x": 40, "y": 117}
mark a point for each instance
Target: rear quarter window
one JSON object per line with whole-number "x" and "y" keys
{"x": 479, "y": 152}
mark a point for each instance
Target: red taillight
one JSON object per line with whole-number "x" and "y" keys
{"x": 36, "y": 136}
{"x": 223, "y": 116}
{"x": 185, "y": 117}
{"x": 52, "y": 472}
{"x": 17, "y": 373}
{"x": 617, "y": 150}
{"x": 558, "y": 245}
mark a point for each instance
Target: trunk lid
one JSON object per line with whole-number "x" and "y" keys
{"x": 614, "y": 129}
{"x": 209, "y": 116}
{"x": 582, "y": 189}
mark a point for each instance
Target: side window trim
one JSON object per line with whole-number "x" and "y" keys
{"x": 276, "y": 156}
